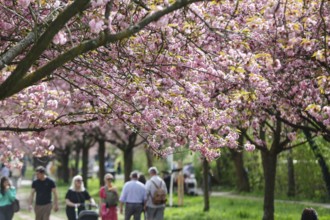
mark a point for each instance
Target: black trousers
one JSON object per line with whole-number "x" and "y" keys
{"x": 6, "y": 212}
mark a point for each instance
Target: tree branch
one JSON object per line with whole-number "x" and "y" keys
{"x": 41, "y": 45}
{"x": 13, "y": 52}
{"x": 17, "y": 82}
{"x": 19, "y": 130}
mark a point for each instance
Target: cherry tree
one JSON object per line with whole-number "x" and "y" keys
{"x": 187, "y": 71}
{"x": 283, "y": 76}
{"x": 144, "y": 65}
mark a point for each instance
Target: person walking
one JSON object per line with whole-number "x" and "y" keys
{"x": 15, "y": 173}
{"x": 43, "y": 187}
{"x": 133, "y": 196}
{"x": 142, "y": 179}
{"x": 7, "y": 197}
{"x": 119, "y": 168}
{"x": 76, "y": 197}
{"x": 109, "y": 199}
{"x": 153, "y": 186}
{"x": 5, "y": 170}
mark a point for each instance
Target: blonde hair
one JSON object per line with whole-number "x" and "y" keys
{"x": 108, "y": 175}
{"x": 73, "y": 185}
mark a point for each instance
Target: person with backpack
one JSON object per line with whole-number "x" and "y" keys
{"x": 133, "y": 196}
{"x": 156, "y": 196}
{"x": 109, "y": 199}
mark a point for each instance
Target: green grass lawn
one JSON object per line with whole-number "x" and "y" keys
{"x": 232, "y": 209}
{"x": 220, "y": 208}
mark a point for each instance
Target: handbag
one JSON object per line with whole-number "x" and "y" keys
{"x": 15, "y": 205}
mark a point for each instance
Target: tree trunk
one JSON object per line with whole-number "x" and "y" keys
{"x": 65, "y": 155}
{"x": 206, "y": 179}
{"x": 320, "y": 159}
{"x": 242, "y": 182}
{"x": 128, "y": 162}
{"x": 85, "y": 164}
{"x": 40, "y": 161}
{"x": 291, "y": 179}
{"x": 101, "y": 153}
{"x": 218, "y": 174}
{"x": 269, "y": 161}
{"x": 77, "y": 159}
{"x": 149, "y": 158}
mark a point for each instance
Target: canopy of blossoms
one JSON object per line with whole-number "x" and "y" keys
{"x": 187, "y": 71}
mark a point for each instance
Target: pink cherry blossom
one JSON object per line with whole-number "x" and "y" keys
{"x": 60, "y": 38}
{"x": 96, "y": 26}
{"x": 24, "y": 3}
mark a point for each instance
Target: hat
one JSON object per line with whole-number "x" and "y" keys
{"x": 153, "y": 170}
{"x": 40, "y": 169}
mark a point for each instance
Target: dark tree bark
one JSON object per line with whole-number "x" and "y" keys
{"x": 291, "y": 180}
{"x": 77, "y": 158}
{"x": 63, "y": 156}
{"x": 206, "y": 179}
{"x": 84, "y": 144}
{"x": 242, "y": 182}
{"x": 85, "y": 151}
{"x": 66, "y": 168}
{"x": 217, "y": 175}
{"x": 101, "y": 152}
{"x": 320, "y": 159}
{"x": 269, "y": 160}
{"x": 128, "y": 162}
{"x": 149, "y": 158}
{"x": 127, "y": 149}
{"x": 40, "y": 161}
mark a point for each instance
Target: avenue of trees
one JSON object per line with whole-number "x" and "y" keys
{"x": 201, "y": 75}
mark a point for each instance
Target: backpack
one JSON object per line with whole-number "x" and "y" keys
{"x": 159, "y": 196}
{"x": 110, "y": 198}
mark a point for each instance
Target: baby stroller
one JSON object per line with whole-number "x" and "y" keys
{"x": 190, "y": 185}
{"x": 87, "y": 214}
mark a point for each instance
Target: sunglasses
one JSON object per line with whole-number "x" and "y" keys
{"x": 109, "y": 179}
{"x": 78, "y": 180}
